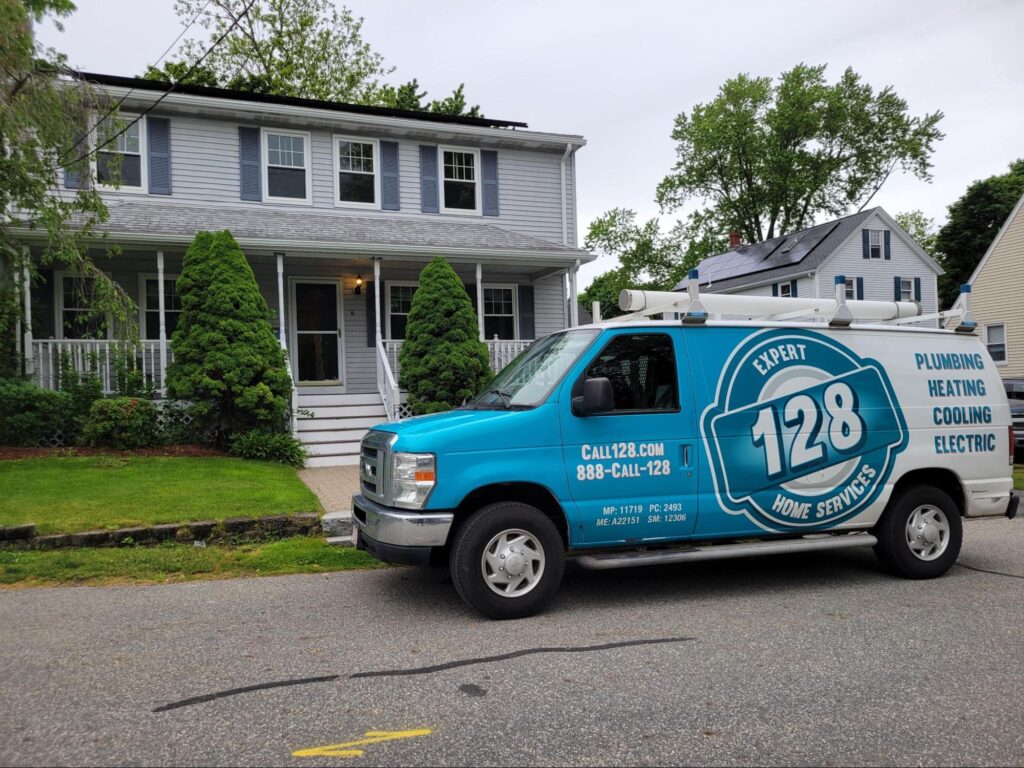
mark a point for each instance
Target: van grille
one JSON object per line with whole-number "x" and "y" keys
{"x": 373, "y": 464}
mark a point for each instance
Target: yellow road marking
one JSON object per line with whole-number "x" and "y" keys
{"x": 348, "y": 749}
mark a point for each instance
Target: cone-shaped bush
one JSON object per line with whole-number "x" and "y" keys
{"x": 227, "y": 362}
{"x": 442, "y": 361}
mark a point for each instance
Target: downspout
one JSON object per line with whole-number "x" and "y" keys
{"x": 565, "y": 205}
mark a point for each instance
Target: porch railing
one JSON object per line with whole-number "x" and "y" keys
{"x": 386, "y": 383}
{"x": 98, "y": 357}
{"x": 500, "y": 352}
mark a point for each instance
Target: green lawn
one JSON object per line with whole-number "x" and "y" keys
{"x": 78, "y": 493}
{"x": 1018, "y": 476}
{"x": 176, "y": 562}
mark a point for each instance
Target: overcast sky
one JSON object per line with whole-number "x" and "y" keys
{"x": 619, "y": 72}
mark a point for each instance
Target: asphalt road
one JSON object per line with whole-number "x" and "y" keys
{"x": 814, "y": 659}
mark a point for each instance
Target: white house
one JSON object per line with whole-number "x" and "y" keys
{"x": 878, "y": 258}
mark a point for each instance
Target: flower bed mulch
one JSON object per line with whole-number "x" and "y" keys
{"x": 9, "y": 453}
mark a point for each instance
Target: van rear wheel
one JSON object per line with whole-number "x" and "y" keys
{"x": 920, "y": 534}
{"x": 507, "y": 560}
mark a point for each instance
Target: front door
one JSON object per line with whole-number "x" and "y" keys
{"x": 317, "y": 332}
{"x": 633, "y": 471}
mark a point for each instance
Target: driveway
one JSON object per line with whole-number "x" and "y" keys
{"x": 812, "y": 659}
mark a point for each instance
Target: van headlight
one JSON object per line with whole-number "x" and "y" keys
{"x": 413, "y": 476}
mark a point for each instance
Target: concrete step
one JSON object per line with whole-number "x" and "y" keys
{"x": 312, "y": 433}
{"x": 320, "y": 398}
{"x": 341, "y": 541}
{"x": 340, "y": 460}
{"x": 337, "y": 523}
{"x": 342, "y": 412}
{"x": 333, "y": 448}
{"x": 327, "y": 389}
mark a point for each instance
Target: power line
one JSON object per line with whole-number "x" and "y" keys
{"x": 164, "y": 95}
{"x": 121, "y": 101}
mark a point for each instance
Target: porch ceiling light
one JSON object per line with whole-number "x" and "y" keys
{"x": 359, "y": 285}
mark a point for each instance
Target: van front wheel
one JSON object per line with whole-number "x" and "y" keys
{"x": 507, "y": 560}
{"x": 920, "y": 534}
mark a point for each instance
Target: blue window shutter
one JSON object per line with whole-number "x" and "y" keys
{"x": 917, "y": 289}
{"x": 897, "y": 293}
{"x": 792, "y": 289}
{"x": 775, "y": 289}
{"x": 489, "y": 176}
{"x": 159, "y": 131}
{"x": 865, "y": 238}
{"x": 389, "y": 191}
{"x": 888, "y": 247}
{"x": 860, "y": 287}
{"x": 428, "y": 179}
{"x": 249, "y": 158}
{"x": 527, "y": 329}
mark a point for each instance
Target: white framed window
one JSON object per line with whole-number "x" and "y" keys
{"x": 286, "y": 166}
{"x": 906, "y": 289}
{"x": 785, "y": 289}
{"x": 73, "y": 300}
{"x": 851, "y": 288}
{"x": 995, "y": 340}
{"x": 875, "y": 241}
{"x": 356, "y": 172}
{"x": 460, "y": 180}
{"x": 500, "y": 316}
{"x": 119, "y": 162}
{"x": 399, "y": 302}
{"x": 149, "y": 306}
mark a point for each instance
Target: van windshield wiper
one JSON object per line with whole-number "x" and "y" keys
{"x": 506, "y": 398}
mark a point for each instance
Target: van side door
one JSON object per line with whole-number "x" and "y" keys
{"x": 632, "y": 470}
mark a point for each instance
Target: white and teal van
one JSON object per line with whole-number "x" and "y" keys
{"x": 815, "y": 425}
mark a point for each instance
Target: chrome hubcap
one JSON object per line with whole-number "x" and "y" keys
{"x": 927, "y": 532}
{"x": 512, "y": 563}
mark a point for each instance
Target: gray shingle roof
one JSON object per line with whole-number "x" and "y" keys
{"x": 780, "y": 257}
{"x": 327, "y": 230}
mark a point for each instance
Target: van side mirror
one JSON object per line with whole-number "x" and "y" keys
{"x": 597, "y": 398}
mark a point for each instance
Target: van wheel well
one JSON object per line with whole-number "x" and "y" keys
{"x": 527, "y": 493}
{"x": 943, "y": 479}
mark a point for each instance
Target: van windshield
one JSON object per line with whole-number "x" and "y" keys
{"x": 528, "y": 379}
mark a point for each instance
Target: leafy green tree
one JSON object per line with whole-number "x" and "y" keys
{"x": 766, "y": 158}
{"x": 228, "y": 364}
{"x": 919, "y": 227}
{"x": 442, "y": 361}
{"x": 44, "y": 116}
{"x": 605, "y": 289}
{"x": 974, "y": 221}
{"x": 305, "y": 48}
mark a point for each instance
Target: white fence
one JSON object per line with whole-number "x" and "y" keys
{"x": 500, "y": 352}
{"x": 99, "y": 357}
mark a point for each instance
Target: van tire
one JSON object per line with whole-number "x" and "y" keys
{"x": 894, "y": 549}
{"x": 496, "y": 527}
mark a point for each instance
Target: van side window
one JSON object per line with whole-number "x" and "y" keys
{"x": 642, "y": 370}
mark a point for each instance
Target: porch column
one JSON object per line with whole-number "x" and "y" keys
{"x": 280, "y": 301}
{"x": 163, "y": 320}
{"x": 574, "y": 309}
{"x": 376, "y": 300}
{"x": 26, "y": 286}
{"x": 480, "y": 300}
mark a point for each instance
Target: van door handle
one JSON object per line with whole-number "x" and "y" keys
{"x": 686, "y": 456}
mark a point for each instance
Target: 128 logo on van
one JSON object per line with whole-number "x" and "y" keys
{"x": 802, "y": 432}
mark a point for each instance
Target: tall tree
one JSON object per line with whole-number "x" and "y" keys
{"x": 304, "y": 48}
{"x": 44, "y": 115}
{"x": 919, "y": 227}
{"x": 765, "y": 158}
{"x": 974, "y": 221}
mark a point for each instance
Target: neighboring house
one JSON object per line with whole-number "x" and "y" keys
{"x": 877, "y": 257}
{"x": 337, "y": 208}
{"x": 995, "y": 295}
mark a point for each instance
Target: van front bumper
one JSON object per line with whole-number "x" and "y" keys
{"x": 398, "y": 536}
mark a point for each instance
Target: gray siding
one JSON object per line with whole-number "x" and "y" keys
{"x": 205, "y": 169}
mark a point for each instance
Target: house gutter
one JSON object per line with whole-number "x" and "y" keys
{"x": 760, "y": 283}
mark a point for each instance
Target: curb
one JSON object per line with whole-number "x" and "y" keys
{"x": 230, "y": 531}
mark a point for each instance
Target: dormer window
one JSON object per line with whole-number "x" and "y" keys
{"x": 119, "y": 153}
{"x": 875, "y": 243}
{"x": 461, "y": 180}
{"x": 358, "y": 180}
{"x": 286, "y": 166}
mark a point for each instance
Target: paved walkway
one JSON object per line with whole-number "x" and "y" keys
{"x": 334, "y": 486}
